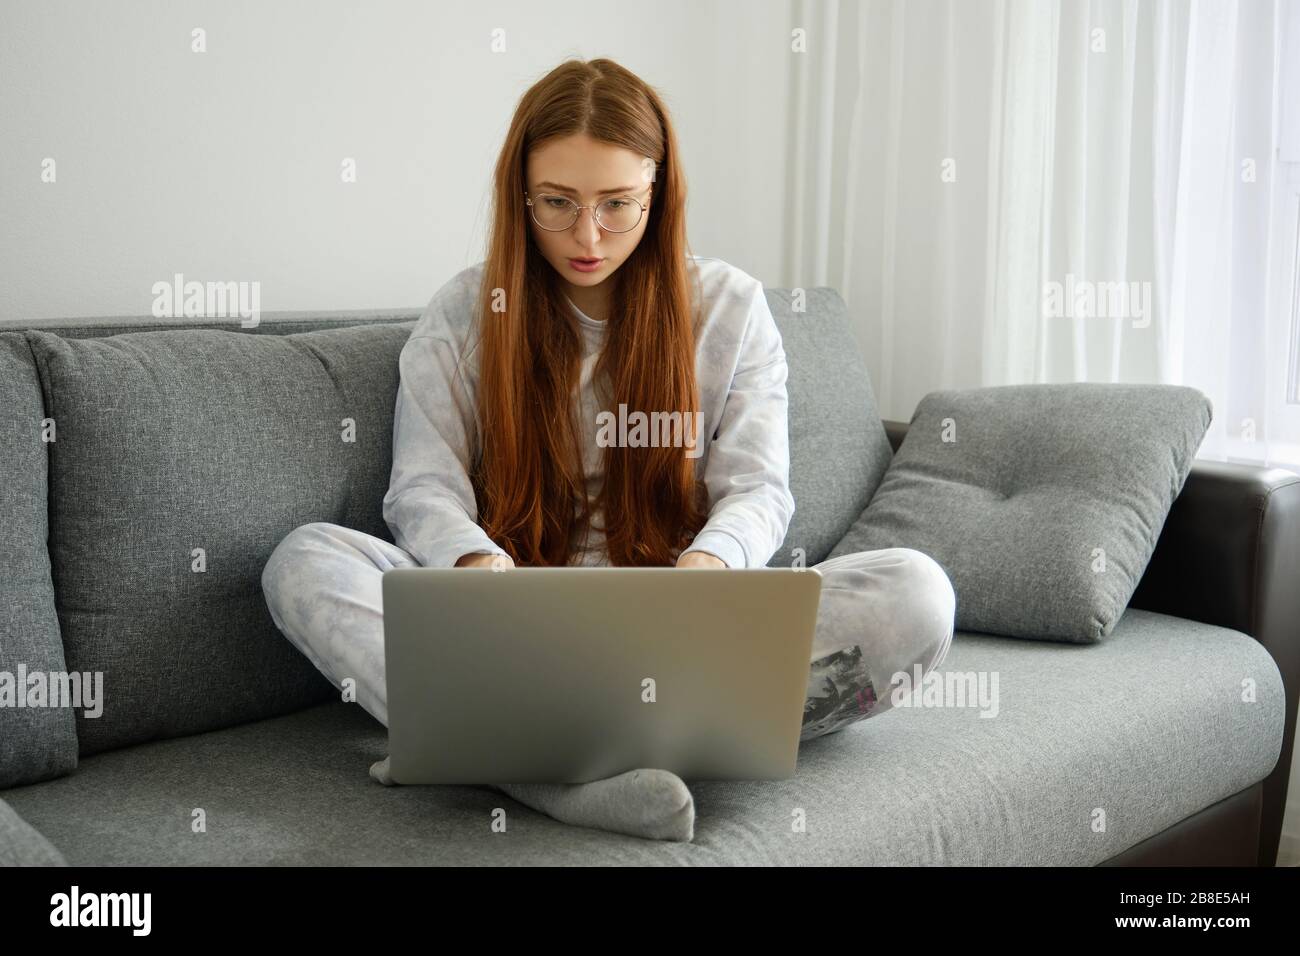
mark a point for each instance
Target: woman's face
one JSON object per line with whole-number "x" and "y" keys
{"x": 588, "y": 172}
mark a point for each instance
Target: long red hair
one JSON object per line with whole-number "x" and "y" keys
{"x": 528, "y": 477}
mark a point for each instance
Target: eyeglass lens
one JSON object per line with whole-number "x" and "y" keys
{"x": 559, "y": 212}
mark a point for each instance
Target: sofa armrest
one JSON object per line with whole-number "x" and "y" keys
{"x": 1229, "y": 555}
{"x": 22, "y": 845}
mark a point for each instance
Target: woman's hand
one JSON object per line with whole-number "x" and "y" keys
{"x": 472, "y": 560}
{"x": 699, "y": 559}
{"x": 691, "y": 559}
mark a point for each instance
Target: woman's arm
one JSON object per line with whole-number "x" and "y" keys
{"x": 430, "y": 506}
{"x": 748, "y": 469}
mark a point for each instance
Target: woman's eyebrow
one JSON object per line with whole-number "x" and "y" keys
{"x": 569, "y": 189}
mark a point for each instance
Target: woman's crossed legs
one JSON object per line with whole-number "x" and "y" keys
{"x": 880, "y": 613}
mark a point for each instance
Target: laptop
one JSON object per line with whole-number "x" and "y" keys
{"x": 573, "y": 674}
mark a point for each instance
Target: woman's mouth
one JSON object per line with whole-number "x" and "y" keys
{"x": 585, "y": 265}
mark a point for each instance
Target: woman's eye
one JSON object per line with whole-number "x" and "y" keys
{"x": 616, "y": 203}
{"x": 555, "y": 202}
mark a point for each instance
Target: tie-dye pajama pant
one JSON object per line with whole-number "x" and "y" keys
{"x": 880, "y": 613}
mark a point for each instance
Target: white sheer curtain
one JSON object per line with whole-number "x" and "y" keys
{"x": 953, "y": 161}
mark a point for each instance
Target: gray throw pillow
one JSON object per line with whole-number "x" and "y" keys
{"x": 1043, "y": 503}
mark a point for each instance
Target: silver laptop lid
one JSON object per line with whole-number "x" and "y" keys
{"x": 576, "y": 674}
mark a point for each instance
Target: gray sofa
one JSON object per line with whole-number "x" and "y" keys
{"x": 183, "y": 451}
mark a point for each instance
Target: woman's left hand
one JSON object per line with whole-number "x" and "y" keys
{"x": 699, "y": 559}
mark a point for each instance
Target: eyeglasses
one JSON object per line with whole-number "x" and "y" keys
{"x": 557, "y": 213}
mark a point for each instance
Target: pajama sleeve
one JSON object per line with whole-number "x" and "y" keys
{"x": 430, "y": 506}
{"x": 748, "y": 468}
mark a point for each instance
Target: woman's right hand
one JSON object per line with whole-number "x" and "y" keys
{"x": 473, "y": 560}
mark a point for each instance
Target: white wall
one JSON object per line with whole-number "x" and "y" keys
{"x": 225, "y": 165}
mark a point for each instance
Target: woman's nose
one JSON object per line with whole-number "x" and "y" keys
{"x": 586, "y": 226}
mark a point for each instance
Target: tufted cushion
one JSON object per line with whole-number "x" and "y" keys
{"x": 1043, "y": 503}
{"x": 182, "y": 458}
{"x": 35, "y": 742}
{"x": 838, "y": 447}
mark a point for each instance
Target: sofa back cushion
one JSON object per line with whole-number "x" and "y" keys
{"x": 180, "y": 460}
{"x": 1043, "y": 503}
{"x": 838, "y": 447}
{"x": 38, "y": 735}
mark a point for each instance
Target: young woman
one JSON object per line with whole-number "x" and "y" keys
{"x": 588, "y": 299}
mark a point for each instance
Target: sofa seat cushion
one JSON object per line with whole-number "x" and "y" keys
{"x": 1149, "y": 727}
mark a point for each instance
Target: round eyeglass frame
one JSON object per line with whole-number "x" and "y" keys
{"x": 579, "y": 207}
